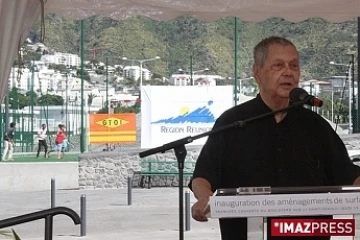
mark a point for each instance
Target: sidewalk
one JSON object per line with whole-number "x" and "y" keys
{"x": 152, "y": 215}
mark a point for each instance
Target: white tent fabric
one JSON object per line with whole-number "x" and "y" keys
{"x": 17, "y": 16}
{"x": 209, "y": 10}
{"x": 16, "y": 20}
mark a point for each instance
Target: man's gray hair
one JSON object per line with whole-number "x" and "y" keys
{"x": 261, "y": 49}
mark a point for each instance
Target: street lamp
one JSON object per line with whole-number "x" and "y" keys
{"x": 141, "y": 61}
{"x": 197, "y": 71}
{"x": 350, "y": 66}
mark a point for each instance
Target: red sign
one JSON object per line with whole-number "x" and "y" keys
{"x": 312, "y": 227}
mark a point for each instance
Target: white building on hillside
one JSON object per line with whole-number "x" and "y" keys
{"x": 41, "y": 81}
{"x": 66, "y": 59}
{"x": 19, "y": 79}
{"x": 199, "y": 79}
{"x": 133, "y": 72}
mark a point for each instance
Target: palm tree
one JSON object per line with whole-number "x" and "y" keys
{"x": 91, "y": 97}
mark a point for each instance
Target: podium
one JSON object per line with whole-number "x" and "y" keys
{"x": 248, "y": 202}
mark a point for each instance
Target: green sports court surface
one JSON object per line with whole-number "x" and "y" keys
{"x": 31, "y": 157}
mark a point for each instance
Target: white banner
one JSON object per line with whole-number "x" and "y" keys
{"x": 169, "y": 113}
{"x": 285, "y": 205}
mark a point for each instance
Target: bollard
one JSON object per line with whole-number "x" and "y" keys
{"x": 129, "y": 193}
{"x": 187, "y": 211}
{"x": 52, "y": 192}
{"x": 83, "y": 215}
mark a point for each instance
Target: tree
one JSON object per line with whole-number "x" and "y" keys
{"x": 157, "y": 82}
{"x": 104, "y": 109}
{"x": 49, "y": 99}
{"x": 128, "y": 109}
{"x": 30, "y": 94}
{"x": 58, "y": 67}
{"x": 337, "y": 105}
{"x": 91, "y": 97}
{"x": 17, "y": 100}
{"x": 86, "y": 75}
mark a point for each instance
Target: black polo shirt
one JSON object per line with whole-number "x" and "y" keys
{"x": 301, "y": 150}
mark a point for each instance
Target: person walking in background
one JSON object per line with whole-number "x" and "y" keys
{"x": 42, "y": 140}
{"x": 59, "y": 140}
{"x": 9, "y": 143}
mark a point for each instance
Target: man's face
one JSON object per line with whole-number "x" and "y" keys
{"x": 280, "y": 72}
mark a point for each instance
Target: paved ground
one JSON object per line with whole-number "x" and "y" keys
{"x": 152, "y": 215}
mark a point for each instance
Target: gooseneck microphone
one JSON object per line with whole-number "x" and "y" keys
{"x": 299, "y": 94}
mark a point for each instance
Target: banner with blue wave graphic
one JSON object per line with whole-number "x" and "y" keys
{"x": 172, "y": 112}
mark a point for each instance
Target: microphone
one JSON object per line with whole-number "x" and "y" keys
{"x": 299, "y": 94}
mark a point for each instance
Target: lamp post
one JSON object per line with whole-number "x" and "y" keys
{"x": 197, "y": 71}
{"x": 355, "y": 120}
{"x": 350, "y": 77}
{"x": 141, "y": 61}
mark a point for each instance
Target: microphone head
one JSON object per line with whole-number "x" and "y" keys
{"x": 317, "y": 102}
{"x": 300, "y": 95}
{"x": 297, "y": 94}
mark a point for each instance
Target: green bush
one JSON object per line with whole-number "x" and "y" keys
{"x": 8, "y": 234}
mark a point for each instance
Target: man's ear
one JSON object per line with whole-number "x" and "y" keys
{"x": 256, "y": 70}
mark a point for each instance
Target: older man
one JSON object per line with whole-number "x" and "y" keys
{"x": 297, "y": 148}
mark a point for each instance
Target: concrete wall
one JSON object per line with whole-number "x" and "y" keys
{"x": 111, "y": 169}
{"x": 37, "y": 176}
{"x": 97, "y": 170}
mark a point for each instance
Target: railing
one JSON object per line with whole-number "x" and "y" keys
{"x": 47, "y": 214}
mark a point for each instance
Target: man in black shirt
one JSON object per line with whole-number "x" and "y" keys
{"x": 297, "y": 148}
{"x": 9, "y": 143}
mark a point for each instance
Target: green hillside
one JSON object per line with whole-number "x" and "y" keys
{"x": 210, "y": 43}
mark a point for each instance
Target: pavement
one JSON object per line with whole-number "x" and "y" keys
{"x": 153, "y": 214}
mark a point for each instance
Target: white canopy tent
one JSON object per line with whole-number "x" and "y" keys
{"x": 18, "y": 16}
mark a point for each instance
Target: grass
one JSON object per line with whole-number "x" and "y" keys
{"x": 31, "y": 157}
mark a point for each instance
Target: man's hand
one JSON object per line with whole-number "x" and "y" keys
{"x": 200, "y": 209}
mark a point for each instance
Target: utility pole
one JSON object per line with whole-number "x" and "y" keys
{"x": 191, "y": 71}
{"x": 236, "y": 49}
{"x": 82, "y": 45}
{"x": 353, "y": 107}
{"x": 32, "y": 101}
{"x": 107, "y": 86}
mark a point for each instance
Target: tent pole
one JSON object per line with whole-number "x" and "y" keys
{"x": 358, "y": 78}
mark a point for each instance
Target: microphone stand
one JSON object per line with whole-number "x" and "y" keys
{"x": 180, "y": 152}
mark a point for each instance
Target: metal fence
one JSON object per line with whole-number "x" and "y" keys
{"x": 65, "y": 85}
{"x": 29, "y": 120}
